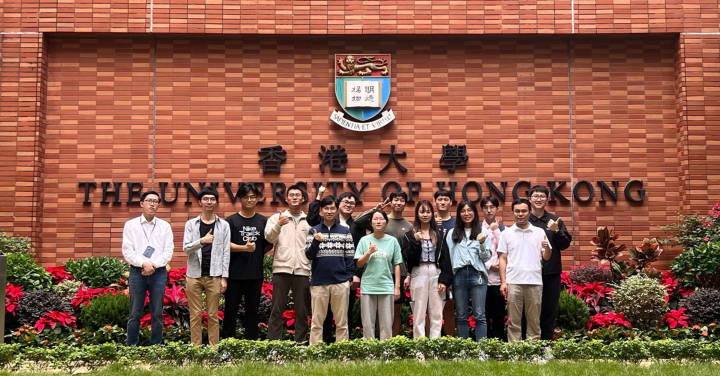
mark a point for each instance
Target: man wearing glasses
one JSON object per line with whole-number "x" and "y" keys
{"x": 147, "y": 246}
{"x": 247, "y": 250}
{"x": 291, "y": 269}
{"x": 559, "y": 239}
{"x": 347, "y": 202}
{"x": 207, "y": 245}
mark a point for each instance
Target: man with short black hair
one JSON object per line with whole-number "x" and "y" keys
{"x": 291, "y": 269}
{"x": 147, "y": 245}
{"x": 346, "y": 206}
{"x": 207, "y": 245}
{"x": 397, "y": 226}
{"x": 559, "y": 239}
{"x": 247, "y": 251}
{"x": 330, "y": 248}
{"x": 522, "y": 248}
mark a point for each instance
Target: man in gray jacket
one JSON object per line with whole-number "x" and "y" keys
{"x": 207, "y": 244}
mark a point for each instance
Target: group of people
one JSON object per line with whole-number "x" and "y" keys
{"x": 470, "y": 261}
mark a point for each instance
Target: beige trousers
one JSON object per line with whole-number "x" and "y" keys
{"x": 529, "y": 299}
{"x": 426, "y": 299}
{"x": 338, "y": 296}
{"x": 195, "y": 288}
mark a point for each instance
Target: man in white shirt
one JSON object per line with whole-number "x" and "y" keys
{"x": 148, "y": 247}
{"x": 521, "y": 249}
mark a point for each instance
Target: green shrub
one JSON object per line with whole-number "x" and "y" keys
{"x": 703, "y": 306}
{"x": 573, "y": 314}
{"x": 97, "y": 272}
{"x": 642, "y": 300}
{"x": 34, "y": 305}
{"x": 23, "y": 271}
{"x": 67, "y": 289}
{"x": 699, "y": 265}
{"x": 104, "y": 310}
{"x": 15, "y": 244}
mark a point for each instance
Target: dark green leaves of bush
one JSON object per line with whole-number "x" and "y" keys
{"x": 104, "y": 310}
{"x": 23, "y": 271}
{"x": 573, "y": 314}
{"x": 699, "y": 266}
{"x": 703, "y": 306}
{"x": 97, "y": 272}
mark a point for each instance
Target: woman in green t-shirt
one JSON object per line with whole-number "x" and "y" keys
{"x": 380, "y": 255}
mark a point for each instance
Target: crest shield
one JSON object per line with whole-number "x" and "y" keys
{"x": 362, "y": 84}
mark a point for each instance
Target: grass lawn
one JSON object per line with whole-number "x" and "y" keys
{"x": 415, "y": 368}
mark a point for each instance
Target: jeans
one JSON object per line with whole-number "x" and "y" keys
{"x": 140, "y": 285}
{"x": 469, "y": 284}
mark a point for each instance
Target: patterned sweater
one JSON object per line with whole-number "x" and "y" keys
{"x": 333, "y": 258}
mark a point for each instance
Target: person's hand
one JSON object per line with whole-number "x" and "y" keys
{"x": 208, "y": 238}
{"x": 418, "y": 235}
{"x": 441, "y": 288}
{"x": 223, "y": 285}
{"x": 397, "y": 293}
{"x": 495, "y": 268}
{"x": 481, "y": 237}
{"x": 372, "y": 249}
{"x": 503, "y": 289}
{"x": 494, "y": 226}
{"x": 545, "y": 244}
{"x": 318, "y": 235}
{"x": 406, "y": 284}
{"x": 321, "y": 192}
{"x": 148, "y": 268}
{"x": 553, "y": 225}
{"x": 355, "y": 283}
{"x": 282, "y": 219}
{"x": 382, "y": 205}
{"x": 438, "y": 218}
{"x": 249, "y": 247}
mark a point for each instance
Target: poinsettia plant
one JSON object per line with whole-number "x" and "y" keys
{"x": 177, "y": 276}
{"x": 146, "y": 321}
{"x": 676, "y": 317}
{"x": 83, "y": 296}
{"x": 56, "y": 320}
{"x": 607, "y": 320}
{"x": 12, "y": 297}
{"x": 59, "y": 274}
{"x": 593, "y": 294}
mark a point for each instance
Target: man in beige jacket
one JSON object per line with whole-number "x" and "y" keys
{"x": 291, "y": 269}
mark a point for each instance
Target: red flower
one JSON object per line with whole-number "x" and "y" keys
{"x": 267, "y": 289}
{"x": 146, "y": 321}
{"x": 591, "y": 293}
{"x": 83, "y": 296}
{"x": 176, "y": 275}
{"x": 59, "y": 274}
{"x": 175, "y": 296}
{"x": 610, "y": 319}
{"x": 410, "y": 322}
{"x": 221, "y": 316}
{"x": 12, "y": 296}
{"x": 357, "y": 293}
{"x": 471, "y": 321}
{"x": 676, "y": 317}
{"x": 54, "y": 318}
{"x": 289, "y": 317}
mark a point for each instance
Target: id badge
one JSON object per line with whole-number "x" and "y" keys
{"x": 149, "y": 251}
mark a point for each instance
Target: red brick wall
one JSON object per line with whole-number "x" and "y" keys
{"x": 636, "y": 102}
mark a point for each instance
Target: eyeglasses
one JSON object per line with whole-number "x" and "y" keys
{"x": 294, "y": 195}
{"x": 152, "y": 202}
{"x": 208, "y": 199}
{"x": 253, "y": 198}
{"x": 538, "y": 198}
{"x": 347, "y": 203}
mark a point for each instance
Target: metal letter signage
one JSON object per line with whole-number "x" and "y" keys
{"x": 362, "y": 88}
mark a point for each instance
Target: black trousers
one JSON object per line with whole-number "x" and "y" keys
{"x": 327, "y": 325}
{"x": 251, "y": 289}
{"x": 550, "y": 299}
{"x": 495, "y": 313}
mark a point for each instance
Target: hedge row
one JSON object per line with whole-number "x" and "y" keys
{"x": 70, "y": 358}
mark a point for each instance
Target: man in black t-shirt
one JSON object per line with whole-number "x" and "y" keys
{"x": 247, "y": 250}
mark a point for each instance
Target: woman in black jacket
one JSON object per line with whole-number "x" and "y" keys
{"x": 427, "y": 256}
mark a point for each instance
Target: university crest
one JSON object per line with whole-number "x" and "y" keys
{"x": 362, "y": 88}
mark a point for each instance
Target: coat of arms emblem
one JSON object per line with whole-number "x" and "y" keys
{"x": 362, "y": 88}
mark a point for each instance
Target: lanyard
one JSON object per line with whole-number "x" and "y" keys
{"x": 145, "y": 233}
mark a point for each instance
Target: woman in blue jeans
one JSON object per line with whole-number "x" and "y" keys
{"x": 469, "y": 249}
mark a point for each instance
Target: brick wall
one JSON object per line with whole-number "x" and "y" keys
{"x": 113, "y": 91}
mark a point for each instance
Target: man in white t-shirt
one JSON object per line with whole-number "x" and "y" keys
{"x": 522, "y": 248}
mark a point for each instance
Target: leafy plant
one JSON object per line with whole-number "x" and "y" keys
{"x": 22, "y": 270}
{"x": 692, "y": 230}
{"x": 676, "y": 317}
{"x": 177, "y": 276}
{"x": 175, "y": 305}
{"x": 15, "y": 244}
{"x": 608, "y": 320}
{"x": 12, "y": 297}
{"x": 59, "y": 274}
{"x": 703, "y": 306}
{"x": 595, "y": 295}
{"x": 67, "y": 289}
{"x": 590, "y": 274}
{"x": 699, "y": 265}
{"x": 645, "y": 253}
{"x": 108, "y": 309}
{"x": 83, "y": 296}
{"x": 267, "y": 267}
{"x": 607, "y": 252}
{"x": 97, "y": 272}
{"x": 572, "y": 312}
{"x": 642, "y": 300}
{"x": 36, "y": 304}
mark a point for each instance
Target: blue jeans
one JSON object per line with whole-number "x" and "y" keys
{"x": 140, "y": 285}
{"x": 468, "y": 285}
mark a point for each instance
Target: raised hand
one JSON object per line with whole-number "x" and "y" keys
{"x": 494, "y": 226}
{"x": 553, "y": 225}
{"x": 382, "y": 205}
{"x": 545, "y": 244}
{"x": 418, "y": 235}
{"x": 208, "y": 238}
{"x": 481, "y": 237}
{"x": 250, "y": 246}
{"x": 282, "y": 219}
{"x": 318, "y": 235}
{"x": 372, "y": 249}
